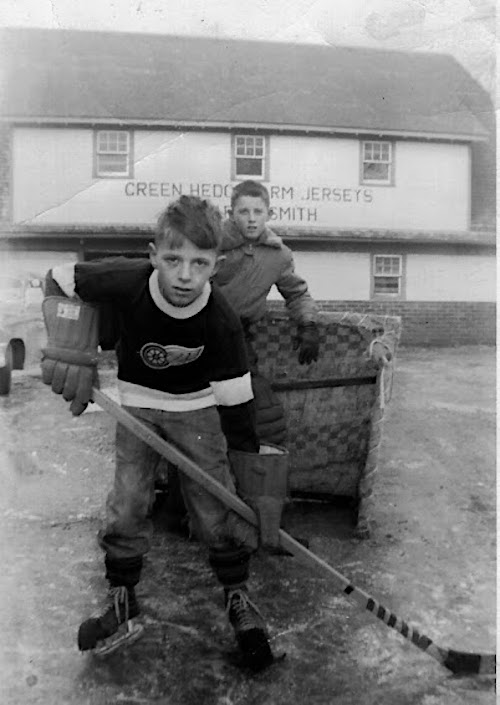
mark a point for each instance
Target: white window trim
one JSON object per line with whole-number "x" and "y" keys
{"x": 264, "y": 176}
{"x": 401, "y": 277}
{"x": 126, "y": 174}
{"x": 377, "y": 182}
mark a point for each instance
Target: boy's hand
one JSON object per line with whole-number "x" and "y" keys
{"x": 380, "y": 353}
{"x": 307, "y": 341}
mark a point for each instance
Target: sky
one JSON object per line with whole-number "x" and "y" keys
{"x": 464, "y": 28}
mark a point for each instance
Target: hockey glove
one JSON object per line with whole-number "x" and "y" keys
{"x": 307, "y": 342}
{"x": 69, "y": 362}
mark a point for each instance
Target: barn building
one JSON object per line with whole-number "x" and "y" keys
{"x": 380, "y": 165}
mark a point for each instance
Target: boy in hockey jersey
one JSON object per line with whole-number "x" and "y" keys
{"x": 182, "y": 370}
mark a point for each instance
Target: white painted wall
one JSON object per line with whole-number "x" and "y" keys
{"x": 315, "y": 181}
{"x": 50, "y": 168}
{"x": 450, "y": 278}
{"x": 335, "y": 276}
{"x": 431, "y": 189}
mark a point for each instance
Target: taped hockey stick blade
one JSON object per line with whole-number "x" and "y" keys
{"x": 462, "y": 663}
{"x": 130, "y": 633}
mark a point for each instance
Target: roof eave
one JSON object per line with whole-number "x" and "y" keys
{"x": 221, "y": 125}
{"x": 485, "y": 238}
{"x": 87, "y": 231}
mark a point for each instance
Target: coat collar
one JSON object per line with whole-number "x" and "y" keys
{"x": 233, "y": 238}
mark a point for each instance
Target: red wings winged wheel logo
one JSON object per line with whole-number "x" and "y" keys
{"x": 159, "y": 357}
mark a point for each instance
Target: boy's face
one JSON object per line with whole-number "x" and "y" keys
{"x": 183, "y": 270}
{"x": 250, "y": 213}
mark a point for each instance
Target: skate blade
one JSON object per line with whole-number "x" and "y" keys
{"x": 118, "y": 641}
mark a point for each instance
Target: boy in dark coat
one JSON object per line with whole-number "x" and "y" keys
{"x": 256, "y": 259}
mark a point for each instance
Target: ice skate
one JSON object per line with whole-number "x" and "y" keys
{"x": 115, "y": 627}
{"x": 250, "y": 630}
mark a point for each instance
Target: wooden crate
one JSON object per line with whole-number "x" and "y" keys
{"x": 335, "y": 406}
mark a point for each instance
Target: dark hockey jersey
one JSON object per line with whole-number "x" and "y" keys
{"x": 170, "y": 358}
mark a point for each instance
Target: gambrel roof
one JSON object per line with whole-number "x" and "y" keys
{"x": 73, "y": 76}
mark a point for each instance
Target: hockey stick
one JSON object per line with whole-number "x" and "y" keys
{"x": 459, "y": 662}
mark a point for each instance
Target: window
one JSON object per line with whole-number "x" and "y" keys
{"x": 113, "y": 153}
{"x": 387, "y": 275}
{"x": 377, "y": 163}
{"x": 250, "y": 157}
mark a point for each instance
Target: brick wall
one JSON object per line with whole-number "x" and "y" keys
{"x": 437, "y": 323}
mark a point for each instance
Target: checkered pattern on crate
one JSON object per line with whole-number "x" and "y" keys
{"x": 340, "y": 442}
{"x": 274, "y": 344}
{"x": 332, "y": 435}
{"x": 342, "y": 342}
{"x": 343, "y": 349}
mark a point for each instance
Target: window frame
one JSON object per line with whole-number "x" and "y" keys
{"x": 390, "y": 181}
{"x": 98, "y": 174}
{"x": 401, "y": 294}
{"x": 265, "y": 158}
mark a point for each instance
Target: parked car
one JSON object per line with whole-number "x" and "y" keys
{"x": 21, "y": 325}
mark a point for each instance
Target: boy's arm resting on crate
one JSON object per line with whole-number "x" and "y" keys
{"x": 293, "y": 288}
{"x": 302, "y": 309}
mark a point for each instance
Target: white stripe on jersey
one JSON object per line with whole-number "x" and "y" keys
{"x": 146, "y": 398}
{"x": 230, "y": 392}
{"x": 64, "y": 275}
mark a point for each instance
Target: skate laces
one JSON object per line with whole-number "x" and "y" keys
{"x": 119, "y": 596}
{"x": 242, "y": 612}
